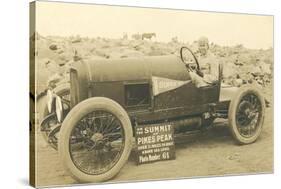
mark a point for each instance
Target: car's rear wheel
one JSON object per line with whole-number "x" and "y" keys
{"x": 246, "y": 115}
{"x": 95, "y": 140}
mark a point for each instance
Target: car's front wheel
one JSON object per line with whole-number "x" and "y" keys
{"x": 246, "y": 114}
{"x": 95, "y": 140}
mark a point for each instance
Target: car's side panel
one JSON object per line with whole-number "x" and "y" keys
{"x": 112, "y": 90}
{"x": 186, "y": 100}
{"x": 186, "y": 96}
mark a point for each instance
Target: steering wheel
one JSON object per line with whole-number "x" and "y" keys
{"x": 190, "y": 65}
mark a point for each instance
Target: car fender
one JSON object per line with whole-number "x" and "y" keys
{"x": 227, "y": 92}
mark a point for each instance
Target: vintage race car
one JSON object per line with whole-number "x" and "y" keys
{"x": 92, "y": 120}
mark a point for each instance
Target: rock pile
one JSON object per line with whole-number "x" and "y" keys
{"x": 241, "y": 65}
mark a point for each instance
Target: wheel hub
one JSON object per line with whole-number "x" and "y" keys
{"x": 97, "y": 137}
{"x": 247, "y": 110}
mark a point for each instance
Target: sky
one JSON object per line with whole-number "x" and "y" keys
{"x": 66, "y": 19}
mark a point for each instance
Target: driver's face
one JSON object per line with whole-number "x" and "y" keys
{"x": 203, "y": 51}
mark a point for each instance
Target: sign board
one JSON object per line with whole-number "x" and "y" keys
{"x": 161, "y": 85}
{"x": 155, "y": 142}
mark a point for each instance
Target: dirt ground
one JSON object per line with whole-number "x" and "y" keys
{"x": 211, "y": 153}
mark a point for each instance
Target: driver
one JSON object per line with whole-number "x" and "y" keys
{"x": 208, "y": 73}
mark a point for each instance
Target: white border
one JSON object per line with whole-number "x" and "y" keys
{"x": 14, "y": 93}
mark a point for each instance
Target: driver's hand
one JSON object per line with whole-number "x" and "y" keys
{"x": 200, "y": 73}
{"x": 188, "y": 68}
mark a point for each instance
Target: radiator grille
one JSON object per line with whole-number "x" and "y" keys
{"x": 74, "y": 87}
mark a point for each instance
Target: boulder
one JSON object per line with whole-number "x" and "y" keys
{"x": 53, "y": 47}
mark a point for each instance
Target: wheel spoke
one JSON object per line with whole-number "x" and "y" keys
{"x": 111, "y": 120}
{"x": 251, "y": 99}
{"x": 100, "y": 126}
{"x": 254, "y": 104}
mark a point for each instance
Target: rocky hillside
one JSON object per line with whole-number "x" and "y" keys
{"x": 54, "y": 54}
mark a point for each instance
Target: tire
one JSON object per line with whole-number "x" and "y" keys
{"x": 248, "y": 99}
{"x": 77, "y": 114}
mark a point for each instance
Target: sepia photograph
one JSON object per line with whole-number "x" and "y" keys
{"x": 127, "y": 94}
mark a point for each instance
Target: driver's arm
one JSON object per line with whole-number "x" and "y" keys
{"x": 214, "y": 70}
{"x": 212, "y": 75}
